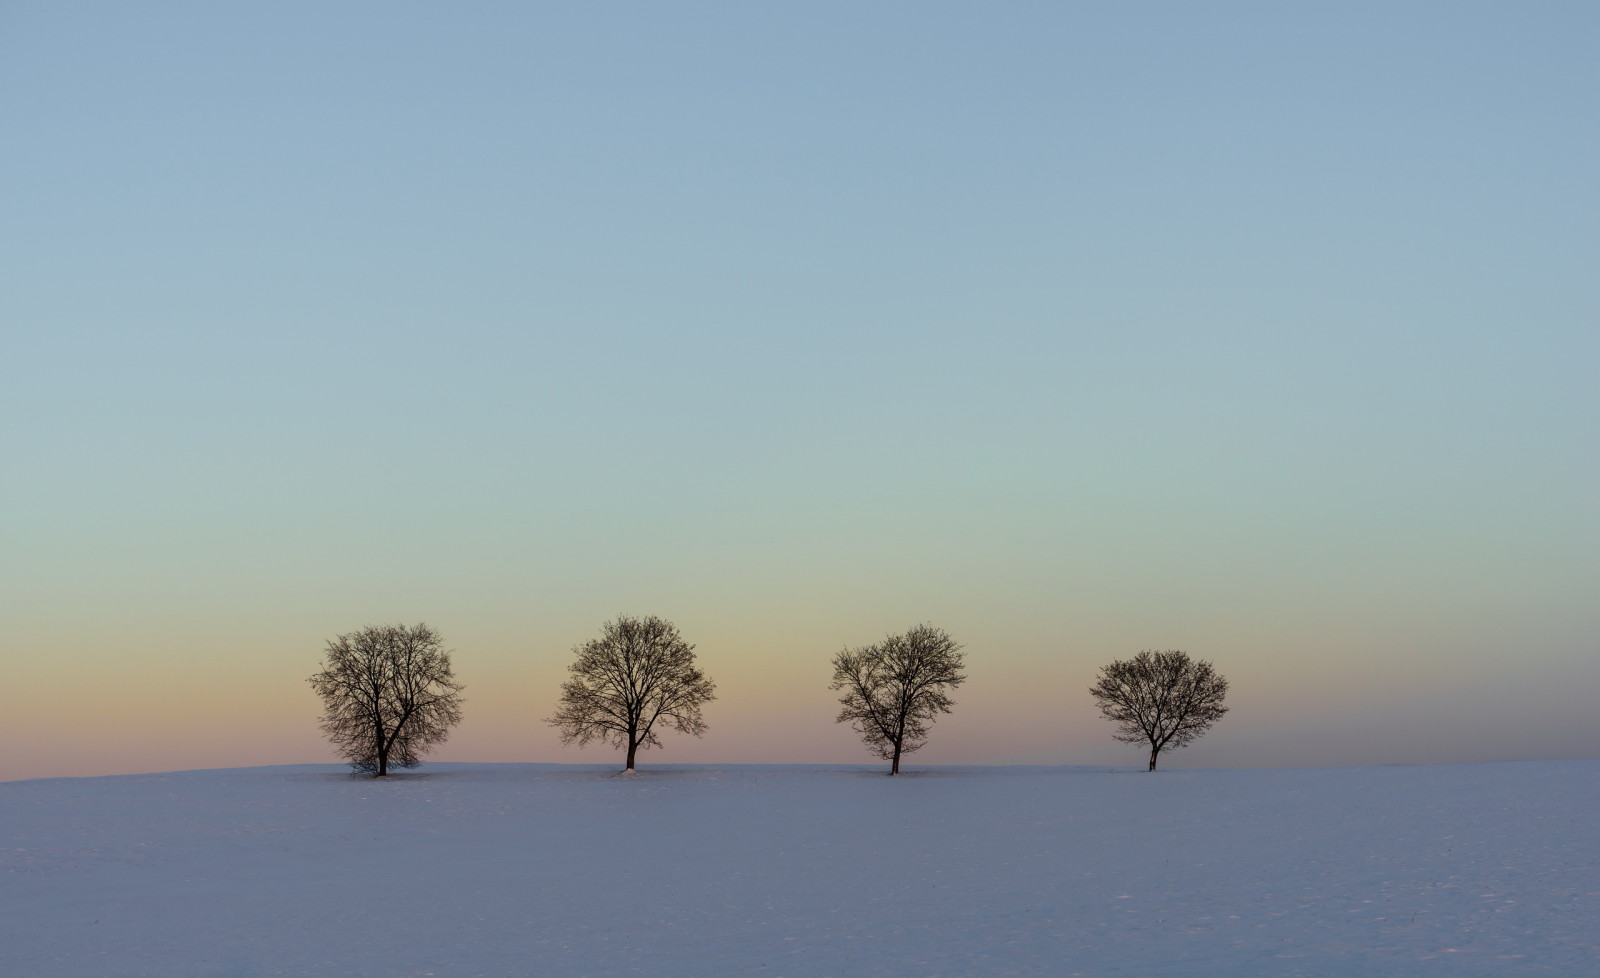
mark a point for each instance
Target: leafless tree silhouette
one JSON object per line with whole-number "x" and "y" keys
{"x": 894, "y": 690}
{"x": 1164, "y": 699}
{"x": 388, "y": 696}
{"x": 637, "y": 676}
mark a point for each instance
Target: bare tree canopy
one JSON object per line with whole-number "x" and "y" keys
{"x": 638, "y": 676}
{"x": 1164, "y": 699}
{"x": 388, "y": 696}
{"x": 894, "y": 690}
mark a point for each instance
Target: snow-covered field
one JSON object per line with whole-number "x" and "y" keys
{"x": 564, "y": 870}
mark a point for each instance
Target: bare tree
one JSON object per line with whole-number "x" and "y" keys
{"x": 1165, "y": 699}
{"x": 389, "y": 696}
{"x": 894, "y": 690}
{"x": 639, "y": 673}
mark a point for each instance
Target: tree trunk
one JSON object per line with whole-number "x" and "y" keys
{"x": 633, "y": 749}
{"x": 894, "y": 767}
{"x": 1154, "y": 751}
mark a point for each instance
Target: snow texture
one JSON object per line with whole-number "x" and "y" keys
{"x": 804, "y": 871}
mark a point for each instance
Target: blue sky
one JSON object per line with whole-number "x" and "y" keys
{"x": 1260, "y": 331}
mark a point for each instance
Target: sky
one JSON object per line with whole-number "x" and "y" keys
{"x": 1266, "y": 332}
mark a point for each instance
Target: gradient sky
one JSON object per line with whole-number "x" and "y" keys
{"x": 1263, "y": 331}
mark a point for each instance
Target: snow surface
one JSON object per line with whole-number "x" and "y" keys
{"x": 564, "y": 870}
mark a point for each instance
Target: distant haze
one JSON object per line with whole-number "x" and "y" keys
{"x": 1261, "y": 332}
